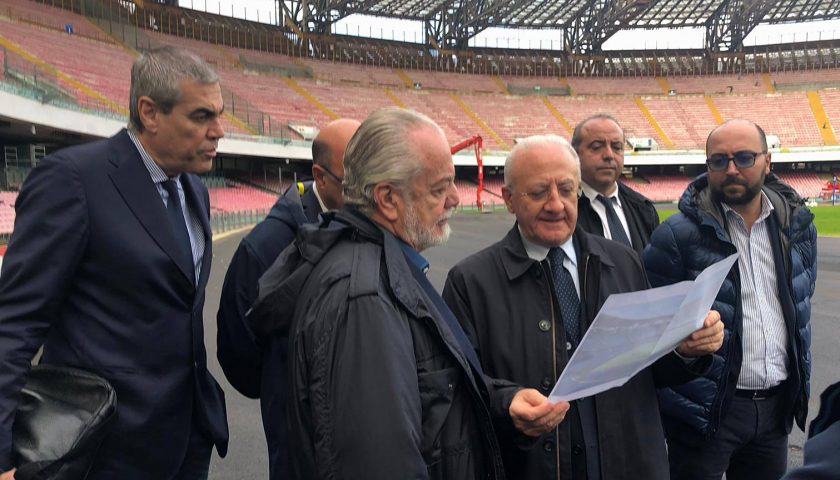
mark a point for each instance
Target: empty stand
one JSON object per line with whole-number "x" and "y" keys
{"x": 746, "y": 83}
{"x": 686, "y": 119}
{"x": 514, "y": 117}
{"x": 348, "y": 101}
{"x": 831, "y": 105}
{"x": 454, "y": 81}
{"x": 274, "y": 97}
{"x": 614, "y": 86}
{"x": 239, "y": 197}
{"x": 807, "y": 184}
{"x": 787, "y": 115}
{"x": 7, "y": 212}
{"x": 440, "y": 107}
{"x": 355, "y": 74}
{"x": 659, "y": 188}
{"x": 51, "y": 17}
{"x": 807, "y": 77}
{"x": 623, "y": 108}
{"x": 105, "y": 72}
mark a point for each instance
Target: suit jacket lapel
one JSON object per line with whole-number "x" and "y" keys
{"x": 133, "y": 182}
{"x": 199, "y": 206}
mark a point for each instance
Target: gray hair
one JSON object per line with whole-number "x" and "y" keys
{"x": 158, "y": 74}
{"x": 536, "y": 141}
{"x": 380, "y": 152}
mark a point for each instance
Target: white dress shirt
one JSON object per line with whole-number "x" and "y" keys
{"x": 538, "y": 253}
{"x": 600, "y": 209}
{"x": 765, "y": 336}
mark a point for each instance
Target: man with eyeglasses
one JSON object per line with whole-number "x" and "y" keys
{"x": 736, "y": 419}
{"x": 526, "y": 302}
{"x": 607, "y": 207}
{"x": 239, "y": 355}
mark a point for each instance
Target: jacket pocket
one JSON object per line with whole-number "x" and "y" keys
{"x": 437, "y": 392}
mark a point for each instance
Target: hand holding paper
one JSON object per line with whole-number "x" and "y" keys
{"x": 706, "y": 340}
{"x": 533, "y": 414}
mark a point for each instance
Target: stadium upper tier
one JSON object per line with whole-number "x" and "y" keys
{"x": 277, "y": 95}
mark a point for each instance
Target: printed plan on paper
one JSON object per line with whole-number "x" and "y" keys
{"x": 633, "y": 330}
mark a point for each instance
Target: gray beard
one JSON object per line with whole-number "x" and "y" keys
{"x": 420, "y": 237}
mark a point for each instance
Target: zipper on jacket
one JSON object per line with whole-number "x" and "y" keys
{"x": 554, "y": 332}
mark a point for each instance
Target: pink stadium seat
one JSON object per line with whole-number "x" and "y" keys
{"x": 659, "y": 188}
{"x": 806, "y": 184}
{"x": 50, "y": 17}
{"x": 7, "y": 211}
{"x": 745, "y": 83}
{"x": 787, "y": 115}
{"x": 614, "y": 86}
{"x": 239, "y": 198}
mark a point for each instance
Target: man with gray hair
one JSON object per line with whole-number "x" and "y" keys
{"x": 107, "y": 267}
{"x": 526, "y": 302}
{"x": 384, "y": 383}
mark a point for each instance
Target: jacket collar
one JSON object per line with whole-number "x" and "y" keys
{"x": 697, "y": 203}
{"x": 132, "y": 180}
{"x": 516, "y": 261}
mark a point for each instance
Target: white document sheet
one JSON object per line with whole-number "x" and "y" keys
{"x": 635, "y": 329}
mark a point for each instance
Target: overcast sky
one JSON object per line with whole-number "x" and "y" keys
{"x": 264, "y": 11}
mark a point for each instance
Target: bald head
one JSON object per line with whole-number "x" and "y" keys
{"x": 328, "y": 159}
{"x": 743, "y": 127}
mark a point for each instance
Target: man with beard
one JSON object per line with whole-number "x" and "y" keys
{"x": 736, "y": 419}
{"x": 526, "y": 302}
{"x": 384, "y": 384}
{"x": 607, "y": 207}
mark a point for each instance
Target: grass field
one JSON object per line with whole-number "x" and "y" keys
{"x": 827, "y": 219}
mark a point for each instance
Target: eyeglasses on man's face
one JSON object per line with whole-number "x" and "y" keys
{"x": 720, "y": 161}
{"x": 542, "y": 194}
{"x": 330, "y": 173}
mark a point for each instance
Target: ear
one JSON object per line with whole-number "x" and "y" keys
{"x": 767, "y": 166}
{"x": 149, "y": 114}
{"x": 318, "y": 175}
{"x": 507, "y": 195}
{"x": 388, "y": 201}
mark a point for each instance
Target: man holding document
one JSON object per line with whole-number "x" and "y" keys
{"x": 737, "y": 417}
{"x": 527, "y": 301}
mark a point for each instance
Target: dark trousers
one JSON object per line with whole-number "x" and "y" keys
{"x": 751, "y": 444}
{"x": 196, "y": 464}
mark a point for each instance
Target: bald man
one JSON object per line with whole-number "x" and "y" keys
{"x": 736, "y": 418}
{"x": 239, "y": 355}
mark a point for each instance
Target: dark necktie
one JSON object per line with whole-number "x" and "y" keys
{"x": 616, "y": 228}
{"x": 176, "y": 218}
{"x": 564, "y": 288}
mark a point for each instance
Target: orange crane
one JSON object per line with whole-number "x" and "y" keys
{"x": 478, "y": 143}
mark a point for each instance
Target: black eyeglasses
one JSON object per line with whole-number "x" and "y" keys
{"x": 720, "y": 161}
{"x": 336, "y": 177}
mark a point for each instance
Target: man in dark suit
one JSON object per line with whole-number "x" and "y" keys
{"x": 607, "y": 207}
{"x": 107, "y": 268}
{"x": 239, "y": 355}
{"x": 526, "y": 302}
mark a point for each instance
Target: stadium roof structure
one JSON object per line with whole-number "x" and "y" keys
{"x": 586, "y": 24}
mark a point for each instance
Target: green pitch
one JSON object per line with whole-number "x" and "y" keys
{"x": 827, "y": 219}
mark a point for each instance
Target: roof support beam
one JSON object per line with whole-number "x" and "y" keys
{"x": 317, "y": 16}
{"x": 454, "y": 23}
{"x": 732, "y": 22}
{"x": 598, "y": 21}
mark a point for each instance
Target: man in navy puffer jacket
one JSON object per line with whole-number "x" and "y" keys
{"x": 736, "y": 419}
